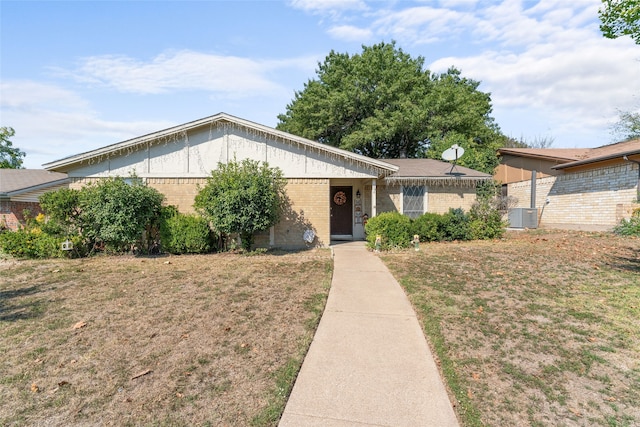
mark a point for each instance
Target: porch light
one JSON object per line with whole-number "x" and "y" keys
{"x": 358, "y": 194}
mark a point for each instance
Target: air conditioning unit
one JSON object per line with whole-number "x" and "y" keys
{"x": 523, "y": 218}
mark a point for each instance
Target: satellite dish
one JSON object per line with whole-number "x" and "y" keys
{"x": 453, "y": 154}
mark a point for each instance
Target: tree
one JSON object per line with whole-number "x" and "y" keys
{"x": 242, "y": 197}
{"x": 620, "y": 18}
{"x": 536, "y": 142}
{"x": 383, "y": 104}
{"x": 628, "y": 127}
{"x": 10, "y": 157}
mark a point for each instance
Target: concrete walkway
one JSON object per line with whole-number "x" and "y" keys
{"x": 369, "y": 363}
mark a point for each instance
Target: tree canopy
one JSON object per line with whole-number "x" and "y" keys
{"x": 10, "y": 157}
{"x": 382, "y": 103}
{"x": 628, "y": 126}
{"x": 620, "y": 18}
{"x": 242, "y": 197}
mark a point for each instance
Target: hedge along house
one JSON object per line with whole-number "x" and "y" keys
{"x": 20, "y": 191}
{"x": 590, "y": 189}
{"x": 328, "y": 189}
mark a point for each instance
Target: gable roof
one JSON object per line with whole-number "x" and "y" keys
{"x": 221, "y": 118}
{"x": 570, "y": 157}
{"x": 553, "y": 154}
{"x": 414, "y": 171}
{"x": 17, "y": 181}
{"x": 606, "y": 152}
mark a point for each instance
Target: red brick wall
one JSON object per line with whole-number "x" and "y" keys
{"x": 12, "y": 213}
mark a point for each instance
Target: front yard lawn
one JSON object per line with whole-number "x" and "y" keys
{"x": 180, "y": 341}
{"x": 540, "y": 328}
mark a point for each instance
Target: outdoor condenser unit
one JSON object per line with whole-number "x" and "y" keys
{"x": 523, "y": 218}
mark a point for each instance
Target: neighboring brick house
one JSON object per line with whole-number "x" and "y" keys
{"x": 591, "y": 189}
{"x": 329, "y": 190}
{"x": 20, "y": 191}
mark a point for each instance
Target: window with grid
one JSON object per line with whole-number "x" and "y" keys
{"x": 413, "y": 201}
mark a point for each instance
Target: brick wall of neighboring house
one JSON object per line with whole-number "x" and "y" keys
{"x": 12, "y": 213}
{"x": 597, "y": 197}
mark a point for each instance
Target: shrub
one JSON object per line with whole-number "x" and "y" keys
{"x": 629, "y": 227}
{"x": 31, "y": 243}
{"x": 242, "y": 198}
{"x": 429, "y": 227}
{"x": 117, "y": 213}
{"x": 455, "y": 225}
{"x": 394, "y": 228}
{"x": 180, "y": 233}
{"x": 485, "y": 221}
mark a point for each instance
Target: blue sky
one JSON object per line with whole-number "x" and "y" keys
{"x": 78, "y": 75}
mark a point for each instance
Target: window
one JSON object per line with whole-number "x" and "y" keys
{"x": 413, "y": 201}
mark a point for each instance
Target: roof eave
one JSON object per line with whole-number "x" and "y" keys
{"x": 37, "y": 187}
{"x": 596, "y": 159}
{"x": 536, "y": 156}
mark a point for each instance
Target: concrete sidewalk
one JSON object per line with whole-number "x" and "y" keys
{"x": 369, "y": 363}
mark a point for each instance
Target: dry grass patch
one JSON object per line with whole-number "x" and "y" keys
{"x": 540, "y": 328}
{"x": 188, "y": 340}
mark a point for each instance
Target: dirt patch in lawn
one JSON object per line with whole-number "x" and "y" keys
{"x": 188, "y": 340}
{"x": 539, "y": 328}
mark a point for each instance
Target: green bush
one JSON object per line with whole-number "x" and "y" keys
{"x": 429, "y": 227}
{"x": 394, "y": 228}
{"x": 485, "y": 221}
{"x": 455, "y": 225}
{"x": 242, "y": 198}
{"x": 32, "y": 243}
{"x": 180, "y": 234}
{"x": 629, "y": 227}
{"x": 117, "y": 213}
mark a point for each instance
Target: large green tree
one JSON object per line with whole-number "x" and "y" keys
{"x": 10, "y": 156}
{"x": 620, "y": 18}
{"x": 382, "y": 103}
{"x": 242, "y": 197}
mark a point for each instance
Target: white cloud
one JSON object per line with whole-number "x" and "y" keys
{"x": 573, "y": 87}
{"x": 419, "y": 25}
{"x": 331, "y": 7}
{"x": 21, "y": 94}
{"x": 350, "y": 33}
{"x": 52, "y": 122}
{"x": 183, "y": 71}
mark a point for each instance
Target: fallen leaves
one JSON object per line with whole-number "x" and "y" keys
{"x": 79, "y": 325}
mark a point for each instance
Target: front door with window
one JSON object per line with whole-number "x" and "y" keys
{"x": 341, "y": 211}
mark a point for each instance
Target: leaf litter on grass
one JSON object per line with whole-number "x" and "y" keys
{"x": 538, "y": 328}
{"x": 137, "y": 340}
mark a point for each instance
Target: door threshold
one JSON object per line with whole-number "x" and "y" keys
{"x": 342, "y": 237}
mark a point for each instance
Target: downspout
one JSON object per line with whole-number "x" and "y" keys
{"x": 533, "y": 189}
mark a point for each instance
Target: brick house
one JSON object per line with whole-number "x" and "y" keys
{"x": 591, "y": 189}
{"x": 20, "y": 191}
{"x": 329, "y": 190}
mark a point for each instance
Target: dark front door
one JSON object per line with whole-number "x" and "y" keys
{"x": 341, "y": 214}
